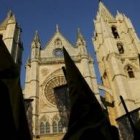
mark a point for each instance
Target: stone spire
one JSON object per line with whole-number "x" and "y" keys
{"x": 10, "y": 13}
{"x": 79, "y": 34}
{"x": 57, "y": 28}
{"x": 36, "y": 41}
{"x": 104, "y": 12}
{"x": 11, "y": 16}
{"x": 80, "y": 38}
{"x": 36, "y": 37}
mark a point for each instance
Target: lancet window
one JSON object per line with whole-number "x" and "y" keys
{"x": 60, "y": 127}
{"x": 130, "y": 72}
{"x": 47, "y": 127}
{"x": 115, "y": 32}
{"x": 120, "y": 48}
{"x": 54, "y": 127}
{"x": 42, "y": 128}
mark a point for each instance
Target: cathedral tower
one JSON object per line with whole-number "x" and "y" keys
{"x": 11, "y": 33}
{"x": 45, "y": 82}
{"x": 117, "y": 48}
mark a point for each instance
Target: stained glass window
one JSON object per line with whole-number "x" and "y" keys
{"x": 47, "y": 127}
{"x": 42, "y": 128}
{"x": 54, "y": 127}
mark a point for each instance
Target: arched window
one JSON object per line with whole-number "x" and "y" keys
{"x": 105, "y": 75}
{"x": 54, "y": 127}
{"x": 120, "y": 48}
{"x": 58, "y": 42}
{"x": 130, "y": 72}
{"x": 115, "y": 32}
{"x": 42, "y": 128}
{"x": 47, "y": 127}
{"x": 60, "y": 127}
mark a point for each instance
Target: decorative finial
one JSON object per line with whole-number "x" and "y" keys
{"x": 10, "y": 14}
{"x": 57, "y": 28}
{"x": 36, "y": 32}
{"x": 36, "y": 37}
{"x": 79, "y": 33}
{"x": 78, "y": 30}
{"x": 118, "y": 12}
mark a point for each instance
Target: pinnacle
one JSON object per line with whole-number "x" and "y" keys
{"x": 36, "y": 37}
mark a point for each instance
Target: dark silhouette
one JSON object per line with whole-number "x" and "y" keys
{"x": 13, "y": 119}
{"x": 87, "y": 119}
{"x": 135, "y": 129}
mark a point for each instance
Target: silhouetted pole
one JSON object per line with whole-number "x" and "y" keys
{"x": 135, "y": 131}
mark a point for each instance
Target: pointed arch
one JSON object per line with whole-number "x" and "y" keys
{"x": 129, "y": 62}
{"x": 60, "y": 126}
{"x": 130, "y": 71}
{"x": 120, "y": 47}
{"x": 58, "y": 42}
{"x": 42, "y": 128}
{"x": 115, "y": 32}
{"x": 47, "y": 127}
{"x": 43, "y": 119}
{"x": 54, "y": 126}
{"x": 56, "y": 118}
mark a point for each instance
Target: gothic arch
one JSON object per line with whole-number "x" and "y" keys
{"x": 132, "y": 65}
{"x": 44, "y": 118}
{"x": 57, "y": 124}
{"x": 42, "y": 128}
{"x": 129, "y": 63}
{"x": 129, "y": 69}
{"x": 58, "y": 42}
{"x": 44, "y": 124}
{"x": 115, "y": 31}
{"x": 120, "y": 47}
{"x": 56, "y": 118}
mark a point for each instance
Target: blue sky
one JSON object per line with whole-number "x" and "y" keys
{"x": 43, "y": 15}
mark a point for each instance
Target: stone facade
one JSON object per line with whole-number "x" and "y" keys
{"x": 117, "y": 49}
{"x": 45, "y": 82}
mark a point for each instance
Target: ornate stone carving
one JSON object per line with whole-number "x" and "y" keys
{"x": 49, "y": 88}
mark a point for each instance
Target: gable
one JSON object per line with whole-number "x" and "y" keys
{"x": 55, "y": 45}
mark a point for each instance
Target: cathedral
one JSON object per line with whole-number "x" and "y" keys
{"x": 46, "y": 84}
{"x": 117, "y": 48}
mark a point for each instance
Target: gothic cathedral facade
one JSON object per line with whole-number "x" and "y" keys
{"x": 117, "y": 48}
{"x": 46, "y": 84}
